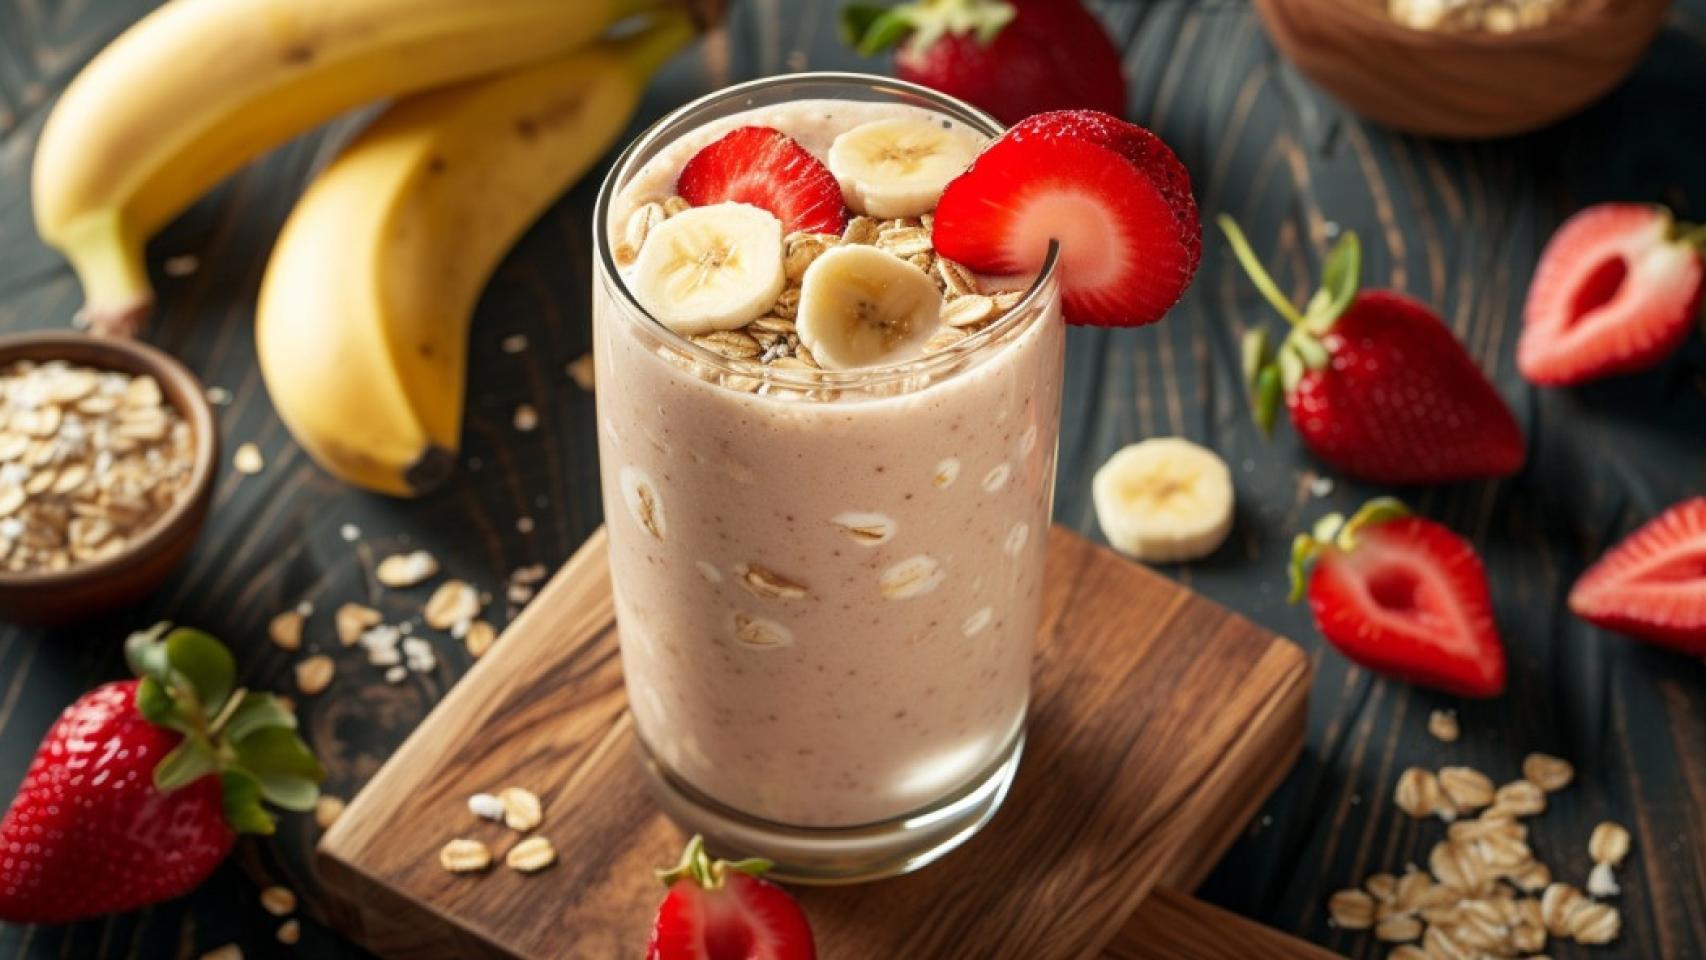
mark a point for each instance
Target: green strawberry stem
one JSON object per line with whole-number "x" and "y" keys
{"x": 249, "y": 739}
{"x": 697, "y": 864}
{"x": 1257, "y": 273}
{"x": 1334, "y": 531}
{"x": 871, "y": 29}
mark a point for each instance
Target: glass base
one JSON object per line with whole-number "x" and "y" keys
{"x": 837, "y": 855}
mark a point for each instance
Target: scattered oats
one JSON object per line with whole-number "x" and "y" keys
{"x": 305, "y": 608}
{"x": 1520, "y": 798}
{"x": 452, "y": 602}
{"x": 228, "y": 952}
{"x": 480, "y": 638}
{"x": 352, "y": 620}
{"x": 1602, "y": 882}
{"x": 1609, "y": 844}
{"x": 285, "y": 630}
{"x": 1534, "y": 878}
{"x": 278, "y": 901}
{"x": 522, "y": 810}
{"x": 531, "y": 855}
{"x": 1408, "y": 952}
{"x": 486, "y": 806}
{"x": 465, "y": 856}
{"x": 1398, "y": 929}
{"x": 967, "y": 311}
{"x": 1321, "y": 487}
{"x": 1382, "y": 887}
{"x": 314, "y": 674}
{"x": 1547, "y": 772}
{"x": 1457, "y": 867}
{"x": 397, "y": 674}
{"x": 1468, "y": 788}
{"x": 289, "y": 932}
{"x": 518, "y": 594}
{"x": 401, "y": 570}
{"x": 1596, "y": 923}
{"x": 1559, "y": 905}
{"x": 526, "y": 418}
{"x": 760, "y": 633}
{"x": 248, "y": 459}
{"x": 1441, "y": 946}
{"x": 532, "y": 573}
{"x": 418, "y": 655}
{"x": 218, "y": 396}
{"x": 1351, "y": 910}
{"x": 1443, "y": 725}
{"x": 642, "y": 501}
{"x": 1418, "y": 793}
{"x": 767, "y": 584}
{"x": 580, "y": 371}
{"x": 349, "y": 532}
{"x": 514, "y": 343}
{"x": 181, "y": 265}
{"x": 327, "y": 810}
{"x": 913, "y": 577}
{"x": 865, "y": 529}
{"x": 640, "y": 223}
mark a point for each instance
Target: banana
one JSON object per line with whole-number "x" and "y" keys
{"x": 860, "y": 307}
{"x": 361, "y": 328}
{"x": 717, "y": 267}
{"x": 199, "y": 87}
{"x": 898, "y": 167}
{"x": 1164, "y": 500}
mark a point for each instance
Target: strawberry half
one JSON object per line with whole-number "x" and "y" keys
{"x": 1618, "y": 288}
{"x": 1402, "y": 596}
{"x": 1653, "y": 584}
{"x": 1013, "y": 58}
{"x": 138, "y": 790}
{"x": 1375, "y": 383}
{"x": 770, "y": 170}
{"x": 716, "y": 910}
{"x": 1110, "y": 192}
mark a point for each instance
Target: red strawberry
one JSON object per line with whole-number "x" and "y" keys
{"x": 716, "y": 910}
{"x": 1618, "y": 289}
{"x": 768, "y": 169}
{"x": 138, "y": 790}
{"x": 1653, "y": 584}
{"x": 1375, "y": 383}
{"x": 1012, "y": 59}
{"x": 1114, "y": 196}
{"x": 1402, "y": 596}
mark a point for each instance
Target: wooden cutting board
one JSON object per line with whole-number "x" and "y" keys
{"x": 1159, "y": 721}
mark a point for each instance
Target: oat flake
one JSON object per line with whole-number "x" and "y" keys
{"x": 913, "y": 577}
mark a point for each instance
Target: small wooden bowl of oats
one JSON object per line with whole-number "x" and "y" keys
{"x": 108, "y": 450}
{"x": 1464, "y": 69}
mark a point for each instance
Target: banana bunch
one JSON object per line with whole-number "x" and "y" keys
{"x": 199, "y": 87}
{"x": 362, "y": 325}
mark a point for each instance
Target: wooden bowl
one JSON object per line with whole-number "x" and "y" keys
{"x": 1462, "y": 84}
{"x": 87, "y": 590}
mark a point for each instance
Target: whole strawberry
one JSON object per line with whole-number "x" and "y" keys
{"x": 1375, "y": 383}
{"x": 139, "y": 789}
{"x": 1403, "y": 596}
{"x": 716, "y": 910}
{"x": 1013, "y": 58}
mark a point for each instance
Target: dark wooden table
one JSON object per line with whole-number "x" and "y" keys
{"x": 1459, "y": 225}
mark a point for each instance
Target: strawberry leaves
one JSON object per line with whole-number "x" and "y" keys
{"x": 248, "y": 738}
{"x": 871, "y": 29}
{"x": 696, "y": 864}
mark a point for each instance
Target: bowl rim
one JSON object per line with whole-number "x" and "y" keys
{"x": 181, "y": 516}
{"x": 1571, "y": 21}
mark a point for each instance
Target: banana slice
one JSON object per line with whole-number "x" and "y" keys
{"x": 898, "y": 167}
{"x": 1164, "y": 500}
{"x": 860, "y": 307}
{"x": 711, "y": 268}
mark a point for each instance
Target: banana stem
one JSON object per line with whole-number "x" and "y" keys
{"x": 117, "y": 295}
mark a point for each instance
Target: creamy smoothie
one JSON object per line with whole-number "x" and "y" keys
{"x": 827, "y": 562}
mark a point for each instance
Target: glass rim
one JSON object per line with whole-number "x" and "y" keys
{"x": 627, "y": 164}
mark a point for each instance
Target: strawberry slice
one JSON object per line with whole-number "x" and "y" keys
{"x": 1617, "y": 289}
{"x": 1114, "y": 196}
{"x": 716, "y": 910}
{"x": 768, "y": 169}
{"x": 1653, "y": 584}
{"x": 1402, "y": 596}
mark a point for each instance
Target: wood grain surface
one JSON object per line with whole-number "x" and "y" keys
{"x": 1139, "y": 726}
{"x": 1457, "y": 225}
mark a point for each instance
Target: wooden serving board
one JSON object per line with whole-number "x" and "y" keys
{"x": 1158, "y": 721}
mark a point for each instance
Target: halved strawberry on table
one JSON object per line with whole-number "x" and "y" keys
{"x": 1618, "y": 288}
{"x": 1402, "y": 596}
{"x": 1652, "y": 585}
{"x": 1374, "y": 381}
{"x": 717, "y": 910}
{"x": 768, "y": 169}
{"x": 140, "y": 788}
{"x": 1111, "y": 193}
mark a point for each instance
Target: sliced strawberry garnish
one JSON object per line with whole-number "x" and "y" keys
{"x": 1114, "y": 196}
{"x": 768, "y": 169}
{"x": 1618, "y": 289}
{"x": 716, "y": 910}
{"x": 1653, "y": 584}
{"x": 1402, "y": 596}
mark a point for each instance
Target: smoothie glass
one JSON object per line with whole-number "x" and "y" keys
{"x": 827, "y": 583}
